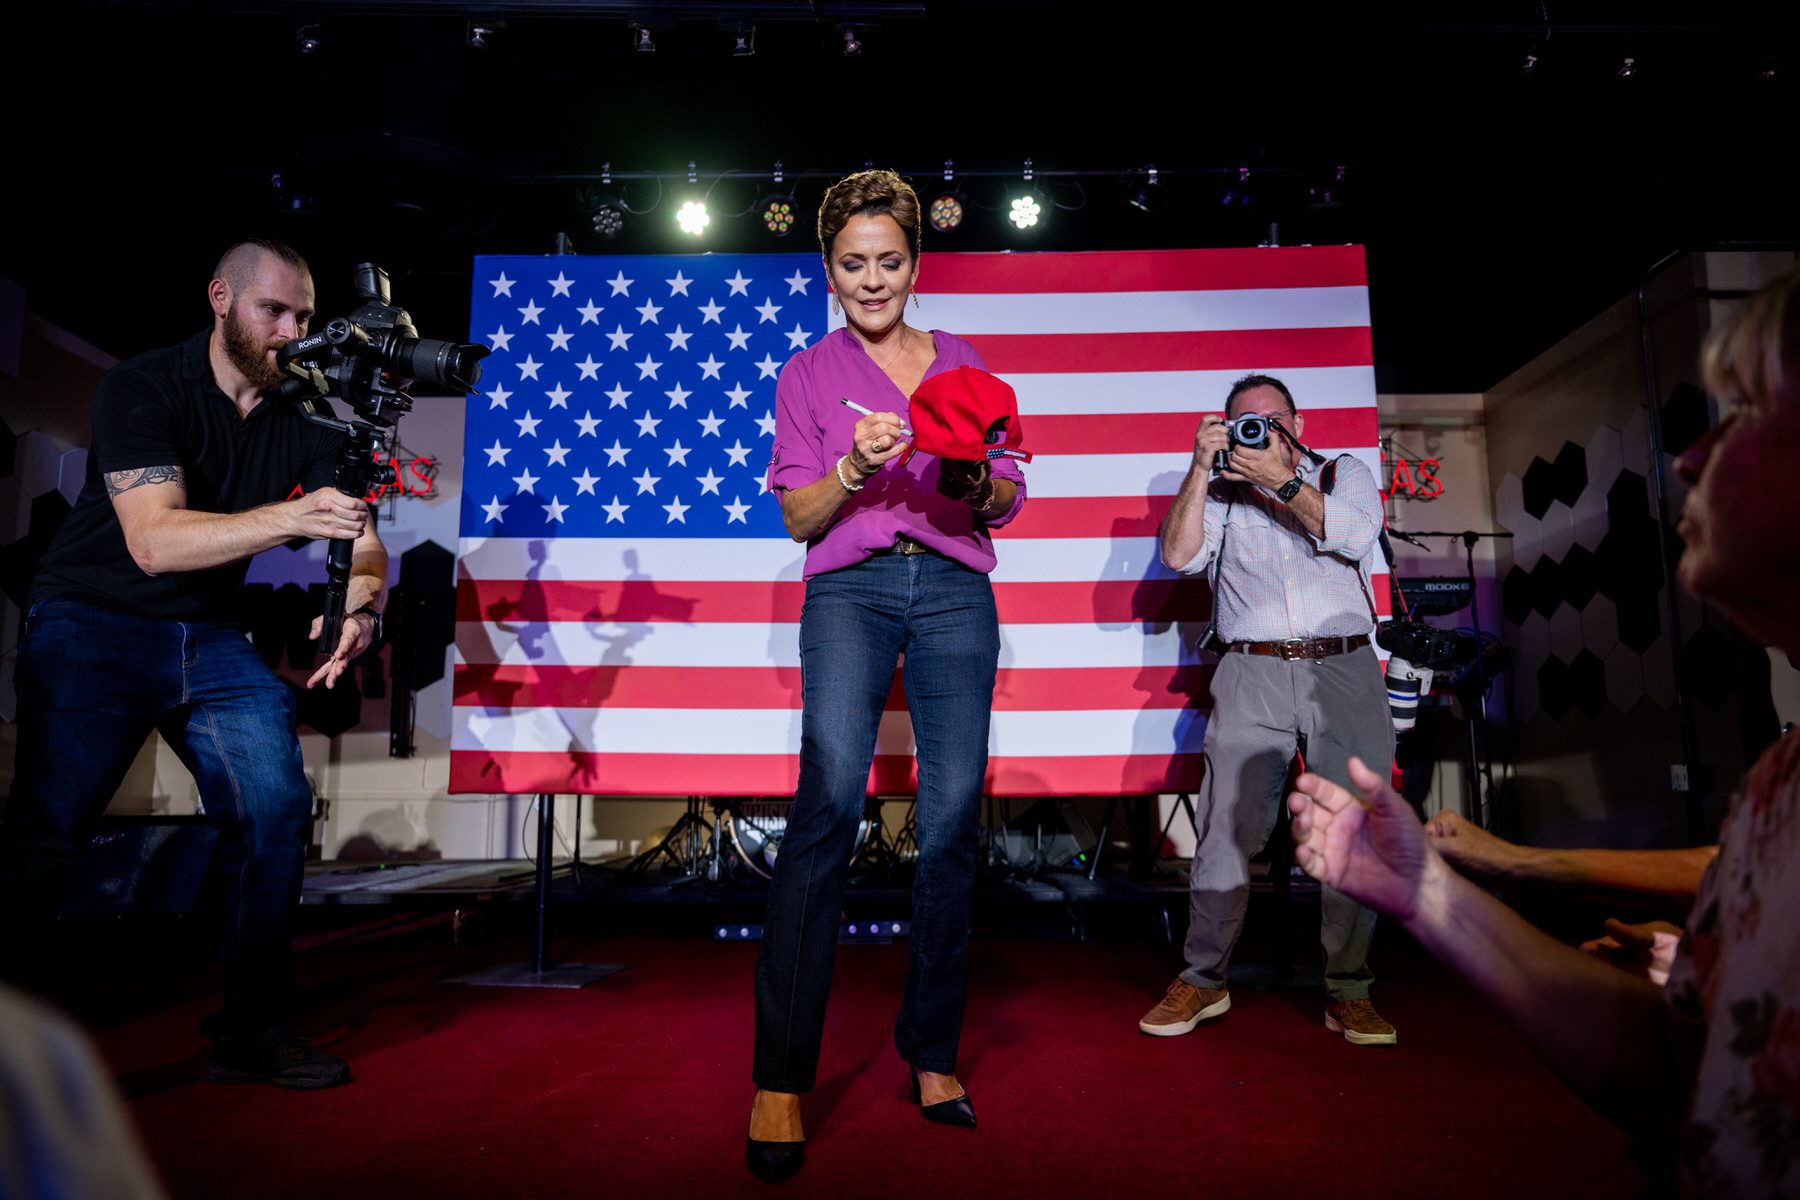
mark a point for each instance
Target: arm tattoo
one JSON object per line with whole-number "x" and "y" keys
{"x": 124, "y": 481}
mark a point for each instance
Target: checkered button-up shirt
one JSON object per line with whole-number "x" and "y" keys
{"x": 1276, "y": 581}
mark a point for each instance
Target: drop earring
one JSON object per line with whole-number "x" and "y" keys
{"x": 837, "y": 308}
{"x": 915, "y": 297}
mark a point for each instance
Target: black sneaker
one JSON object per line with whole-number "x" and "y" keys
{"x": 286, "y": 1061}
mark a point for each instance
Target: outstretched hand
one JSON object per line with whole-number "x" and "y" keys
{"x": 1647, "y": 950}
{"x": 1470, "y": 848}
{"x": 1370, "y": 846}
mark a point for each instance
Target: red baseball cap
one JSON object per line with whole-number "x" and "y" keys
{"x": 966, "y": 414}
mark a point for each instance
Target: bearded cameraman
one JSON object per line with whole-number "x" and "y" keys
{"x": 1288, "y": 543}
{"x": 136, "y": 623}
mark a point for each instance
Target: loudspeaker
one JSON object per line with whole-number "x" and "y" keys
{"x": 142, "y": 865}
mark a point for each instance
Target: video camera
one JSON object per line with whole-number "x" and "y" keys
{"x": 368, "y": 360}
{"x": 1416, "y": 651}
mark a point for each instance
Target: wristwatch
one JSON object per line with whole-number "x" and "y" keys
{"x": 1290, "y": 489}
{"x": 375, "y": 616}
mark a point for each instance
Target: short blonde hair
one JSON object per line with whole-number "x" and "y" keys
{"x": 869, "y": 193}
{"x": 1754, "y": 352}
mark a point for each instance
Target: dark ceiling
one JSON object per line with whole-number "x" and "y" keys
{"x": 1499, "y": 210}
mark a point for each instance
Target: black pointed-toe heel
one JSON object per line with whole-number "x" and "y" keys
{"x": 773, "y": 1162}
{"x": 958, "y": 1112}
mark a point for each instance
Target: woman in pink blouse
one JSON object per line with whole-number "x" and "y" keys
{"x": 897, "y": 561}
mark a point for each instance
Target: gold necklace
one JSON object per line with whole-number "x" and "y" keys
{"x": 896, "y": 355}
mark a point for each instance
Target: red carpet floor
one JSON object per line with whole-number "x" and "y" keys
{"x": 638, "y": 1085}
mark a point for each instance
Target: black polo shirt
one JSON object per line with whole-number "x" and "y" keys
{"x": 164, "y": 408}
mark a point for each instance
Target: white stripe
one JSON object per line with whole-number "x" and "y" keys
{"x": 971, "y": 314}
{"x": 769, "y": 644}
{"x": 745, "y": 731}
{"x": 647, "y": 559}
{"x": 1063, "y": 476}
{"x": 1022, "y": 560}
{"x": 1183, "y": 391}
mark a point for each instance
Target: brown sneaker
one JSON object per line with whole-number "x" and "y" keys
{"x": 1183, "y": 1007}
{"x": 1360, "y": 1024}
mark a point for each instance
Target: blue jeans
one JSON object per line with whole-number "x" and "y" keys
{"x": 92, "y": 684}
{"x": 856, "y": 623}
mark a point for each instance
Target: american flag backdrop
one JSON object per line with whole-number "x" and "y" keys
{"x": 628, "y": 602}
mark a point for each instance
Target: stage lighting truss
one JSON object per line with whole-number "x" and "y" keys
{"x": 1149, "y": 195}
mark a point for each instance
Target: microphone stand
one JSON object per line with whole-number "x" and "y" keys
{"x": 1480, "y": 766}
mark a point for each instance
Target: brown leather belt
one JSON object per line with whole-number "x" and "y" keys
{"x": 1297, "y": 648}
{"x": 903, "y": 545}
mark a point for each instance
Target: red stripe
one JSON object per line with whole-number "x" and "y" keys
{"x": 1080, "y": 516}
{"x": 1148, "y": 270}
{"x": 1151, "y": 433}
{"x": 506, "y": 602}
{"x": 522, "y": 772}
{"x": 1221, "y": 350}
{"x": 1044, "y": 689}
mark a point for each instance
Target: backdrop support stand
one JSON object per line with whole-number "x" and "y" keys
{"x": 537, "y": 973}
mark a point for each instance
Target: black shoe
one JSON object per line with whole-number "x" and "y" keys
{"x": 958, "y": 1112}
{"x": 773, "y": 1162}
{"x": 285, "y": 1060}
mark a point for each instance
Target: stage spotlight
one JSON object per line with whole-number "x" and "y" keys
{"x": 1628, "y": 68}
{"x": 777, "y": 213}
{"x": 1149, "y": 195}
{"x": 1237, "y": 193}
{"x": 608, "y": 212}
{"x": 479, "y": 36}
{"x": 744, "y": 42}
{"x": 1025, "y": 211}
{"x": 947, "y": 212}
{"x": 641, "y": 40}
{"x": 307, "y": 38}
{"x": 1330, "y": 194}
{"x": 852, "y": 46}
{"x": 693, "y": 217}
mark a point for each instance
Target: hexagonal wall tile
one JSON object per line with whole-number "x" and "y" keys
{"x": 9, "y": 449}
{"x": 1532, "y": 645}
{"x": 15, "y": 510}
{"x": 1515, "y": 595}
{"x": 1587, "y": 682}
{"x": 1588, "y": 518}
{"x": 1706, "y": 666}
{"x": 1581, "y": 578}
{"x": 1659, "y": 673}
{"x": 1546, "y": 586}
{"x": 1554, "y": 696}
{"x": 1559, "y": 530}
{"x": 72, "y": 474}
{"x": 1624, "y": 678}
{"x": 40, "y": 462}
{"x": 1640, "y": 619}
{"x": 1565, "y": 633}
{"x": 1569, "y": 472}
{"x": 1603, "y": 457}
{"x": 1634, "y": 442}
{"x": 1539, "y": 483}
{"x": 1522, "y": 692}
{"x": 1600, "y": 626}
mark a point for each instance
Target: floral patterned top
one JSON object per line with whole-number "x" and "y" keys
{"x": 1737, "y": 974}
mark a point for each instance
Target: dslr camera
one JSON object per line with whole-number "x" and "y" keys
{"x": 1249, "y": 430}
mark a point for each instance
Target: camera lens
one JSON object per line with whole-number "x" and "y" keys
{"x": 452, "y": 365}
{"x": 1253, "y": 432}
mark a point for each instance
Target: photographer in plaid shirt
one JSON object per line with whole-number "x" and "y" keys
{"x": 1289, "y": 547}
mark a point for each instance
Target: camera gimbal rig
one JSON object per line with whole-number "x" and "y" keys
{"x": 369, "y": 360}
